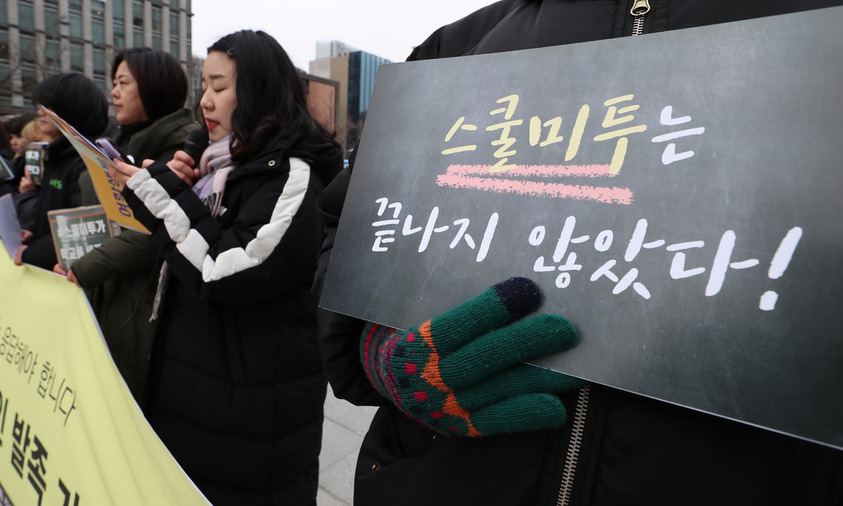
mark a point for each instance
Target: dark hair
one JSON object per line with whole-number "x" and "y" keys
{"x": 162, "y": 84}
{"x": 76, "y": 99}
{"x": 14, "y": 126}
{"x": 270, "y": 95}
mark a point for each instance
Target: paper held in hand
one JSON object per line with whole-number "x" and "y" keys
{"x": 9, "y": 225}
{"x": 108, "y": 190}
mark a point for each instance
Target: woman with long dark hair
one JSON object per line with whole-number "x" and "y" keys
{"x": 236, "y": 380}
{"x": 120, "y": 277}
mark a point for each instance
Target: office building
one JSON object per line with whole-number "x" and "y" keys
{"x": 45, "y": 37}
{"x": 322, "y": 100}
{"x": 356, "y": 71}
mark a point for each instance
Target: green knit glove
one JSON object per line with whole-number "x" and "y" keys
{"x": 461, "y": 373}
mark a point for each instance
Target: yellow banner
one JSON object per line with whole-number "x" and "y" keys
{"x": 70, "y": 431}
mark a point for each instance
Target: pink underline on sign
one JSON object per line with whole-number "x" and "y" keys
{"x": 480, "y": 177}
{"x": 533, "y": 170}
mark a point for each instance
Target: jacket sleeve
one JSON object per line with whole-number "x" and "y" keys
{"x": 129, "y": 253}
{"x": 460, "y": 37}
{"x": 339, "y": 335}
{"x": 41, "y": 253}
{"x": 265, "y": 250}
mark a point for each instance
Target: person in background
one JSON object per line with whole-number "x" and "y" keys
{"x": 6, "y": 150}
{"x": 477, "y": 427}
{"x": 30, "y": 133}
{"x": 236, "y": 385}
{"x": 22, "y": 130}
{"x": 26, "y": 193}
{"x": 121, "y": 276}
{"x": 77, "y": 100}
{"x": 14, "y": 128}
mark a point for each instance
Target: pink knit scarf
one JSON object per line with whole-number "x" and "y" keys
{"x": 214, "y": 167}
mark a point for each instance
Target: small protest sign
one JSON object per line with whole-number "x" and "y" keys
{"x": 77, "y": 231}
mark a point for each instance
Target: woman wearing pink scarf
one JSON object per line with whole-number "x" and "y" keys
{"x": 236, "y": 385}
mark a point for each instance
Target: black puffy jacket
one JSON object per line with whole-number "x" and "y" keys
{"x": 120, "y": 277}
{"x": 236, "y": 384}
{"x": 617, "y": 448}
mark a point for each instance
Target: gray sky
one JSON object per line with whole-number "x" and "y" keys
{"x": 386, "y": 28}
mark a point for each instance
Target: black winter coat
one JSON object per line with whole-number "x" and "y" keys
{"x": 121, "y": 276}
{"x": 59, "y": 190}
{"x": 616, "y": 448}
{"x": 236, "y": 378}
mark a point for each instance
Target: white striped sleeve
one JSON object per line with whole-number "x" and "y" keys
{"x": 194, "y": 247}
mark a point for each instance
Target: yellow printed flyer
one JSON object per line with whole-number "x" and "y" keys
{"x": 70, "y": 431}
{"x": 108, "y": 190}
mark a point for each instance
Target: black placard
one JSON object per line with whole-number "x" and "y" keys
{"x": 677, "y": 196}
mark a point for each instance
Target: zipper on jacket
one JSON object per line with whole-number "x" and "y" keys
{"x": 639, "y": 10}
{"x": 574, "y": 446}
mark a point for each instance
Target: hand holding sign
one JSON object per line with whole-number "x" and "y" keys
{"x": 461, "y": 372}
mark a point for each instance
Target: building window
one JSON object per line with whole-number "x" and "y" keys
{"x": 97, "y": 31}
{"x": 28, "y": 81}
{"x": 137, "y": 41}
{"x": 174, "y": 26}
{"x": 117, "y": 11}
{"x": 156, "y": 18}
{"x": 4, "y": 47}
{"x": 26, "y": 16}
{"x": 99, "y": 61}
{"x": 5, "y": 91}
{"x": 77, "y": 60}
{"x": 137, "y": 14}
{"x": 27, "y": 49}
{"x": 119, "y": 36}
{"x": 75, "y": 25}
{"x": 52, "y": 52}
{"x": 51, "y": 22}
{"x": 98, "y": 9}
